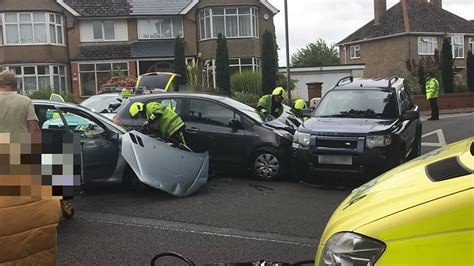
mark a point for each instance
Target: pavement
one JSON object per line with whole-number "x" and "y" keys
{"x": 233, "y": 219}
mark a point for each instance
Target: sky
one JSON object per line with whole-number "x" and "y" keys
{"x": 333, "y": 20}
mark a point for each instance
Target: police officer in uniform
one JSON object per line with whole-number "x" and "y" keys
{"x": 161, "y": 120}
{"x": 271, "y": 104}
{"x": 432, "y": 94}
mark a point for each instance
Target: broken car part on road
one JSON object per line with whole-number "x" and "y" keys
{"x": 162, "y": 166}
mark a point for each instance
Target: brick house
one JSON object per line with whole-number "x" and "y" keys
{"x": 411, "y": 29}
{"x": 76, "y": 44}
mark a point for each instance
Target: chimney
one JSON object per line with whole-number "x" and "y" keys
{"x": 380, "y": 8}
{"x": 438, "y": 3}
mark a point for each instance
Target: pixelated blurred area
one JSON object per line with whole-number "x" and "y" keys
{"x": 47, "y": 170}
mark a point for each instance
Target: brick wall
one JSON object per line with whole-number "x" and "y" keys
{"x": 448, "y": 101}
{"x": 75, "y": 80}
{"x": 383, "y": 57}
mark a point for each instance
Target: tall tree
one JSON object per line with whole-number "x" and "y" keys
{"x": 422, "y": 78}
{"x": 447, "y": 63}
{"x": 470, "y": 71}
{"x": 316, "y": 54}
{"x": 222, "y": 65}
{"x": 269, "y": 63}
{"x": 180, "y": 60}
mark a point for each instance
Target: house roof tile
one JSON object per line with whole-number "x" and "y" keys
{"x": 104, "y": 51}
{"x": 422, "y": 17}
{"x": 100, "y": 8}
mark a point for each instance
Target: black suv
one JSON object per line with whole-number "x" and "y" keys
{"x": 360, "y": 126}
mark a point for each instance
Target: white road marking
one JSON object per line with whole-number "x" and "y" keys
{"x": 441, "y": 139}
{"x": 124, "y": 220}
{"x": 448, "y": 116}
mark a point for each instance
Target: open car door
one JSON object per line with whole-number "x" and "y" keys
{"x": 162, "y": 166}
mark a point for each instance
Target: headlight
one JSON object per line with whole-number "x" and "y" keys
{"x": 301, "y": 138}
{"x": 378, "y": 141}
{"x": 349, "y": 249}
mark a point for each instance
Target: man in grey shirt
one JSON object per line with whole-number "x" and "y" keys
{"x": 17, "y": 113}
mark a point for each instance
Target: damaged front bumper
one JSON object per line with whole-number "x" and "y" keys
{"x": 162, "y": 166}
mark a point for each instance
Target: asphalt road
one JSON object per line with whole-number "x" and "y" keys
{"x": 230, "y": 220}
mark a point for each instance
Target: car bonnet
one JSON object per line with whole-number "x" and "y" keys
{"x": 400, "y": 189}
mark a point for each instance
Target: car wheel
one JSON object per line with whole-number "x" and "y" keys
{"x": 416, "y": 149}
{"x": 266, "y": 165}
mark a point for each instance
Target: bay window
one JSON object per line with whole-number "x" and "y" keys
{"x": 18, "y": 28}
{"x": 160, "y": 28}
{"x": 32, "y": 78}
{"x": 93, "y": 75}
{"x": 231, "y": 22}
{"x": 238, "y": 65}
{"x": 427, "y": 45}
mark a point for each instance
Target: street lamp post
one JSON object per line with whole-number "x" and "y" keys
{"x": 288, "y": 75}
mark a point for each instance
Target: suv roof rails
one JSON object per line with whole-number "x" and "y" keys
{"x": 392, "y": 80}
{"x": 350, "y": 78}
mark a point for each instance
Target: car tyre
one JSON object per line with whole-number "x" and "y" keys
{"x": 266, "y": 165}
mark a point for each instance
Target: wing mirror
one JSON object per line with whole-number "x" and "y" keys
{"x": 114, "y": 136}
{"x": 235, "y": 123}
{"x": 411, "y": 115}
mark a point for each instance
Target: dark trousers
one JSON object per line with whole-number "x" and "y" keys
{"x": 434, "y": 108}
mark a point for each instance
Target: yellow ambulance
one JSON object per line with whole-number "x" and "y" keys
{"x": 421, "y": 213}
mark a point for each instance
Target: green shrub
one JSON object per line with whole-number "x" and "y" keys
{"x": 45, "y": 94}
{"x": 460, "y": 88}
{"x": 282, "y": 81}
{"x": 245, "y": 97}
{"x": 246, "y": 82}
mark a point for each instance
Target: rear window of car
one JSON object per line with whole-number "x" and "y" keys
{"x": 370, "y": 104}
{"x": 100, "y": 103}
{"x": 154, "y": 81}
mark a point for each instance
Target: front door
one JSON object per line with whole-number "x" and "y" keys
{"x": 213, "y": 127}
{"x": 100, "y": 152}
{"x": 410, "y": 127}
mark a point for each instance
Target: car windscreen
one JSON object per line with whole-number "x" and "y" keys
{"x": 99, "y": 103}
{"x": 154, "y": 81}
{"x": 248, "y": 110}
{"x": 375, "y": 104}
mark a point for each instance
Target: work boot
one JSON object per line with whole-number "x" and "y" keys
{"x": 433, "y": 118}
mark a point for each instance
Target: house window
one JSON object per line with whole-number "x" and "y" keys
{"x": 355, "y": 51}
{"x": 93, "y": 76}
{"x": 32, "y": 78}
{"x": 232, "y": 22}
{"x": 457, "y": 44}
{"x": 160, "y": 28}
{"x": 238, "y": 65}
{"x": 427, "y": 45}
{"x": 104, "y": 30}
{"x": 471, "y": 44}
{"x": 31, "y": 28}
